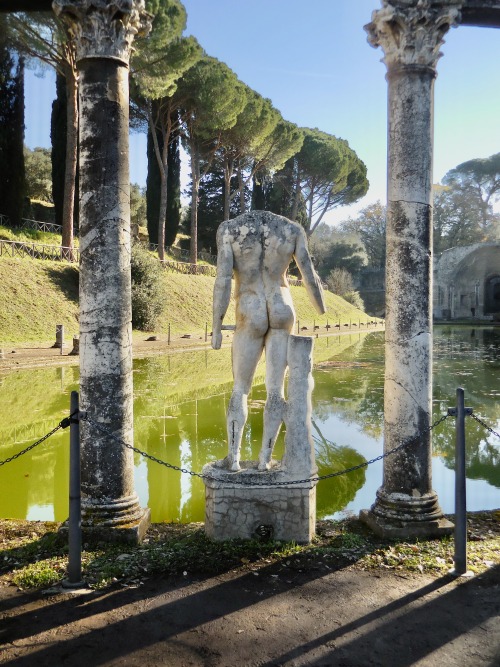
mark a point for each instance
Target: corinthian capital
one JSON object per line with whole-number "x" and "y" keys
{"x": 410, "y": 32}
{"x": 103, "y": 28}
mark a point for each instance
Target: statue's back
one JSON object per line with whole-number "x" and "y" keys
{"x": 262, "y": 243}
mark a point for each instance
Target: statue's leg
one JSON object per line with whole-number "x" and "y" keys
{"x": 247, "y": 351}
{"x": 237, "y": 413}
{"x": 276, "y": 363}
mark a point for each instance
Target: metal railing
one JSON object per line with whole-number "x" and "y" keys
{"x": 38, "y": 251}
{"x": 182, "y": 254}
{"x": 39, "y": 226}
{"x": 35, "y": 225}
{"x": 189, "y": 269}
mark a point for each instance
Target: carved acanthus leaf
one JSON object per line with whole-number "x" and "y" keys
{"x": 411, "y": 33}
{"x": 104, "y": 28}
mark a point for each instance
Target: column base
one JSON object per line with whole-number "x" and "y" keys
{"x": 117, "y": 521}
{"x": 283, "y": 513}
{"x": 401, "y": 516}
{"x": 130, "y": 533}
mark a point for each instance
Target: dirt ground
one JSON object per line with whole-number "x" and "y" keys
{"x": 16, "y": 356}
{"x": 344, "y": 618}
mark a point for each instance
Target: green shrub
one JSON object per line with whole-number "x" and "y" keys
{"x": 354, "y": 299}
{"x": 146, "y": 288}
{"x": 340, "y": 282}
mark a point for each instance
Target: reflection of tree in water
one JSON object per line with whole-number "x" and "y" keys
{"x": 353, "y": 387}
{"x": 470, "y": 358}
{"x": 36, "y": 479}
{"x": 482, "y": 458}
{"x": 203, "y": 425}
{"x": 485, "y": 465}
{"x": 38, "y": 394}
{"x": 337, "y": 492}
{"x": 163, "y": 484}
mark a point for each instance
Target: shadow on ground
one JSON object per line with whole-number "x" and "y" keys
{"x": 67, "y": 280}
{"x": 267, "y": 617}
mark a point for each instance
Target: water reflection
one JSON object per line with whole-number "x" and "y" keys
{"x": 470, "y": 357}
{"x": 336, "y": 492}
{"x": 180, "y": 408}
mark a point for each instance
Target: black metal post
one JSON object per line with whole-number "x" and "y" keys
{"x": 460, "y": 489}
{"x": 75, "y": 513}
{"x": 460, "y": 557}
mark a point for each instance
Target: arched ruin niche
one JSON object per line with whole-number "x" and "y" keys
{"x": 467, "y": 283}
{"x": 492, "y": 296}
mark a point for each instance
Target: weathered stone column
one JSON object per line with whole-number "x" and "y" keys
{"x": 103, "y": 32}
{"x": 410, "y": 34}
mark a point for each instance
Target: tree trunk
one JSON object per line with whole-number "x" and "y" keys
{"x": 58, "y": 138}
{"x": 163, "y": 210}
{"x": 241, "y": 188}
{"x": 162, "y": 158}
{"x": 195, "y": 186}
{"x": 172, "y": 220}
{"x": 296, "y": 198}
{"x": 71, "y": 162}
{"x": 309, "y": 214}
{"x": 228, "y": 172}
{"x": 320, "y": 217}
{"x": 12, "y": 171}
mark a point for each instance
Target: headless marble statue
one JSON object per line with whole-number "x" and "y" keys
{"x": 259, "y": 247}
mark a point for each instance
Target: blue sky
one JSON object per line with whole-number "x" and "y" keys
{"x": 314, "y": 62}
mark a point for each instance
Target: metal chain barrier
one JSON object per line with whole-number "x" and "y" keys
{"x": 62, "y": 424}
{"x": 241, "y": 482}
{"x": 68, "y": 420}
{"x": 484, "y": 424}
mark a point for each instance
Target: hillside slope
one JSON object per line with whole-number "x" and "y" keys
{"x": 36, "y": 295}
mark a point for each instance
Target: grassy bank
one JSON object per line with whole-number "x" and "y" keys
{"x": 35, "y": 554}
{"x": 36, "y": 295}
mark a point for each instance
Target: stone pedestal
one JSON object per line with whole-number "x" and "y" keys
{"x": 76, "y": 346}
{"x": 235, "y": 509}
{"x": 59, "y": 336}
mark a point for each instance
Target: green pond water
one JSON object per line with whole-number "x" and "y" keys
{"x": 179, "y": 416}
